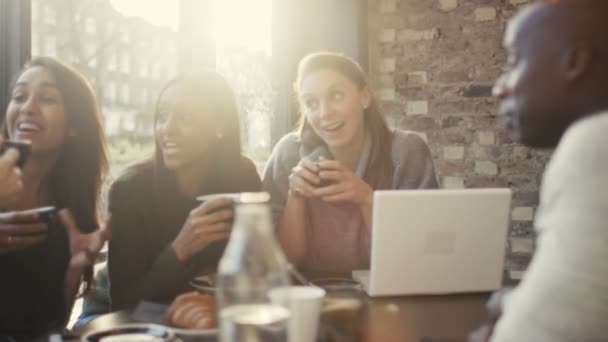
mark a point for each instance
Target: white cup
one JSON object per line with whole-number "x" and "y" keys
{"x": 304, "y": 305}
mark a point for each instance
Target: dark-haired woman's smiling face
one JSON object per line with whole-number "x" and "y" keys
{"x": 182, "y": 132}
{"x": 36, "y": 111}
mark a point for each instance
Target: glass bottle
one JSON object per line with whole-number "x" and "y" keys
{"x": 251, "y": 266}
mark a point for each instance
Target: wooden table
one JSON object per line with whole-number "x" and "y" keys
{"x": 447, "y": 318}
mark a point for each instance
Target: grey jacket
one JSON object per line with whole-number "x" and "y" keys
{"x": 337, "y": 239}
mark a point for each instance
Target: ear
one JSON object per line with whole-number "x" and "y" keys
{"x": 366, "y": 97}
{"x": 576, "y": 61}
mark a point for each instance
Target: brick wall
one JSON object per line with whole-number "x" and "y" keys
{"x": 433, "y": 64}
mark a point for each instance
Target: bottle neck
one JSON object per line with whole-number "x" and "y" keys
{"x": 253, "y": 218}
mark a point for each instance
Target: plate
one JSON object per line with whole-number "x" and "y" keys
{"x": 202, "y": 284}
{"x": 131, "y": 332}
{"x": 193, "y": 332}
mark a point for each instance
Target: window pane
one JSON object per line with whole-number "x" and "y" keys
{"x": 111, "y": 47}
{"x": 243, "y": 45}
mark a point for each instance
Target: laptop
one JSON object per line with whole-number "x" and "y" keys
{"x": 437, "y": 241}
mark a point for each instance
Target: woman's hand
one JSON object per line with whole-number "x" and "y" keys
{"x": 84, "y": 247}
{"x": 304, "y": 178}
{"x": 205, "y": 224}
{"x": 344, "y": 185}
{"x": 11, "y": 182}
{"x": 19, "y": 229}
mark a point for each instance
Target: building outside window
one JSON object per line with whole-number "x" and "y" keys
{"x": 90, "y": 26}
{"x": 143, "y": 47}
{"x": 50, "y": 46}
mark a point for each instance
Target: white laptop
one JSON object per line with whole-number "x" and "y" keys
{"x": 437, "y": 241}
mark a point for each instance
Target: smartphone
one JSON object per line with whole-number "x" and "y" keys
{"x": 22, "y": 146}
{"x": 46, "y": 214}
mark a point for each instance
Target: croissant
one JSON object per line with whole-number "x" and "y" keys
{"x": 193, "y": 310}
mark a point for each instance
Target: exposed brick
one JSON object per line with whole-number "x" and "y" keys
{"x": 451, "y": 182}
{"x": 417, "y": 77}
{"x": 529, "y": 197}
{"x": 517, "y": 275}
{"x": 449, "y": 76}
{"x": 456, "y": 48}
{"x": 387, "y": 65}
{"x": 450, "y": 136}
{"x": 485, "y": 182}
{"x": 386, "y": 94}
{"x": 411, "y": 79}
{"x": 454, "y": 121}
{"x": 388, "y": 6}
{"x": 387, "y": 35}
{"x": 453, "y": 152}
{"x": 386, "y": 81}
{"x": 522, "y": 245}
{"x": 486, "y": 138}
{"x": 448, "y": 167}
{"x": 521, "y": 229}
{"x": 522, "y": 214}
{"x": 413, "y": 35}
{"x": 477, "y": 91}
{"x": 486, "y": 168}
{"x": 419, "y": 123}
{"x": 485, "y": 14}
{"x": 484, "y": 152}
{"x": 448, "y": 5}
{"x": 390, "y": 49}
{"x": 417, "y": 107}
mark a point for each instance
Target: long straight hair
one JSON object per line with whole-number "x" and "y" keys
{"x": 379, "y": 169}
{"x": 216, "y": 101}
{"x": 77, "y": 177}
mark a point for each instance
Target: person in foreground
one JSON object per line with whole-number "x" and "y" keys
{"x": 554, "y": 93}
{"x": 322, "y": 177}
{"x": 162, "y": 236}
{"x": 43, "y": 262}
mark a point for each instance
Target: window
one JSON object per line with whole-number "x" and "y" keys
{"x": 50, "y": 15}
{"x": 135, "y": 51}
{"x": 110, "y": 92}
{"x": 90, "y": 54}
{"x": 125, "y": 63}
{"x": 243, "y": 45}
{"x": 144, "y": 97}
{"x": 35, "y": 44}
{"x": 112, "y": 62}
{"x": 90, "y": 26}
{"x": 143, "y": 68}
{"x": 124, "y": 94}
{"x": 50, "y": 46}
{"x": 35, "y": 9}
{"x": 124, "y": 36}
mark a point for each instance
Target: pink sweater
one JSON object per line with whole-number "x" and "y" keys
{"x": 337, "y": 238}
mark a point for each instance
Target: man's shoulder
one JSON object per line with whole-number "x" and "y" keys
{"x": 586, "y": 138}
{"x": 590, "y": 128}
